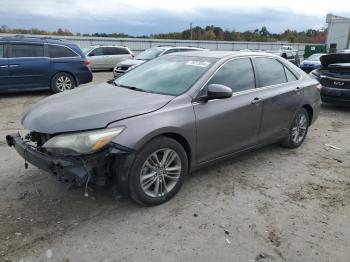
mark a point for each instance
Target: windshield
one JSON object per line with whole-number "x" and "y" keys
{"x": 169, "y": 75}
{"x": 315, "y": 57}
{"x": 150, "y": 54}
{"x": 86, "y": 49}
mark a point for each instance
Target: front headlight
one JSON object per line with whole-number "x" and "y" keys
{"x": 132, "y": 67}
{"x": 84, "y": 142}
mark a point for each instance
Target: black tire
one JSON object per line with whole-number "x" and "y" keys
{"x": 290, "y": 141}
{"x": 61, "y": 82}
{"x": 136, "y": 190}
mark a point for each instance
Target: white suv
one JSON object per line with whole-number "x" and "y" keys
{"x": 106, "y": 57}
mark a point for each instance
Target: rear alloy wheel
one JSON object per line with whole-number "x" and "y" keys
{"x": 158, "y": 171}
{"x": 298, "y": 130}
{"x": 62, "y": 82}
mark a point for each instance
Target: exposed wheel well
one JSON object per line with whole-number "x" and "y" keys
{"x": 310, "y": 111}
{"x": 180, "y": 139}
{"x": 69, "y": 73}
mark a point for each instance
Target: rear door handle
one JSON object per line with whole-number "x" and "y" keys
{"x": 4, "y": 66}
{"x": 14, "y": 65}
{"x": 257, "y": 100}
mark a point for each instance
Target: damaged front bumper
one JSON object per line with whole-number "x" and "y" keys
{"x": 112, "y": 162}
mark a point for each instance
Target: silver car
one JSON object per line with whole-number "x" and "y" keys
{"x": 145, "y": 134}
{"x": 106, "y": 57}
{"x": 148, "y": 55}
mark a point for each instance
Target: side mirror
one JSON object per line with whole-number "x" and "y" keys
{"x": 91, "y": 54}
{"x": 216, "y": 91}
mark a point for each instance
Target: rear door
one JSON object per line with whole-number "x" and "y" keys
{"x": 29, "y": 67}
{"x": 225, "y": 126}
{"x": 114, "y": 55}
{"x": 281, "y": 97}
{"x": 5, "y": 81}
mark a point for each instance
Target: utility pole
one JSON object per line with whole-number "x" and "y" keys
{"x": 191, "y": 29}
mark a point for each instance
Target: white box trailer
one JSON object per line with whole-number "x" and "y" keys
{"x": 338, "y": 33}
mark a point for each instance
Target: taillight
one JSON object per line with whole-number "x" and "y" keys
{"x": 86, "y": 62}
{"x": 319, "y": 88}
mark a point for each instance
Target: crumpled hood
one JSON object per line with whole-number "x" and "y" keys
{"x": 131, "y": 62}
{"x": 334, "y": 59}
{"x": 90, "y": 107}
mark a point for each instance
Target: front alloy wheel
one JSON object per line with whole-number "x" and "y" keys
{"x": 158, "y": 171}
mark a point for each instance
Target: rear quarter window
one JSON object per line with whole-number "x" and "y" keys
{"x": 56, "y": 51}
{"x": 270, "y": 71}
{"x": 290, "y": 76}
{"x": 27, "y": 50}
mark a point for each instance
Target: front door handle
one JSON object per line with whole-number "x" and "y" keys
{"x": 297, "y": 89}
{"x": 14, "y": 65}
{"x": 256, "y": 100}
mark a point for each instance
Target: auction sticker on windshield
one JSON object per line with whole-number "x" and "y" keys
{"x": 198, "y": 63}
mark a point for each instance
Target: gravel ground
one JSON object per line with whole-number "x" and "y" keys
{"x": 273, "y": 204}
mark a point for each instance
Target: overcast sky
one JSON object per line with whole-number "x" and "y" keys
{"x": 138, "y": 17}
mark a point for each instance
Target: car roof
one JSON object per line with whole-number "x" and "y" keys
{"x": 121, "y": 46}
{"x": 177, "y": 47}
{"x": 187, "y": 47}
{"x": 223, "y": 54}
{"x": 28, "y": 39}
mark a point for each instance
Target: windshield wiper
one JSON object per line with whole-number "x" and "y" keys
{"x": 131, "y": 87}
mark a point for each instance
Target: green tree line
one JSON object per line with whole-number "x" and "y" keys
{"x": 198, "y": 33}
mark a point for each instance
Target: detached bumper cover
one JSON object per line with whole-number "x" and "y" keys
{"x": 68, "y": 169}
{"x": 113, "y": 163}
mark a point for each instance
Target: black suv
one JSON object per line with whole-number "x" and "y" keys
{"x": 334, "y": 76}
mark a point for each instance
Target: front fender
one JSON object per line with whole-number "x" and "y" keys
{"x": 175, "y": 118}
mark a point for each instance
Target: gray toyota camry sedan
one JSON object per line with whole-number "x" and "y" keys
{"x": 145, "y": 132}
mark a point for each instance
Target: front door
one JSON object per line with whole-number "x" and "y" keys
{"x": 97, "y": 58}
{"x": 225, "y": 126}
{"x": 5, "y": 81}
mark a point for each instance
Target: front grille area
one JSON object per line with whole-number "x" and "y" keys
{"x": 38, "y": 138}
{"x": 333, "y": 83}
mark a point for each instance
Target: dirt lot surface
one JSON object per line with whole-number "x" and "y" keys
{"x": 270, "y": 205}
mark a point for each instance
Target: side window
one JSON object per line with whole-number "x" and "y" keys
{"x": 271, "y": 71}
{"x": 96, "y": 52}
{"x": 290, "y": 76}
{"x": 186, "y": 50}
{"x": 237, "y": 74}
{"x": 174, "y": 50}
{"x": 27, "y": 50}
{"x": 2, "y": 51}
{"x": 115, "y": 51}
{"x": 56, "y": 51}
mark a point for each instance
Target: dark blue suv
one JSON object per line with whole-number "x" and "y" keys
{"x": 28, "y": 63}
